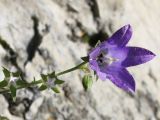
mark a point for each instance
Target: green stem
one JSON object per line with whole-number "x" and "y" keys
{"x": 23, "y": 86}
{"x": 71, "y": 69}
{"x": 40, "y": 81}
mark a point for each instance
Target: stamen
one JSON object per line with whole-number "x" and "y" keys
{"x": 104, "y": 59}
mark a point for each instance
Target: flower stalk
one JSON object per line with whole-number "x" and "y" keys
{"x": 26, "y": 85}
{"x": 71, "y": 69}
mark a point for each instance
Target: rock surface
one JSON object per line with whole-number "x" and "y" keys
{"x": 56, "y": 44}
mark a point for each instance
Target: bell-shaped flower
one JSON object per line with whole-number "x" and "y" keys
{"x": 111, "y": 57}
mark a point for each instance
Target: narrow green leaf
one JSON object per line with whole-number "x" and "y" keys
{"x": 21, "y": 82}
{"x": 3, "y": 83}
{"x": 87, "y": 82}
{"x": 13, "y": 92}
{"x": 85, "y": 59}
{"x": 6, "y": 72}
{"x": 42, "y": 87}
{"x": 52, "y": 75}
{"x": 56, "y": 90}
{"x": 34, "y": 81}
{"x": 57, "y": 81}
{"x": 16, "y": 74}
{"x": 44, "y": 77}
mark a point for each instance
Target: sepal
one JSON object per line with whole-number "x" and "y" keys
{"x": 3, "y": 83}
{"x": 13, "y": 92}
{"x": 85, "y": 59}
{"x": 44, "y": 77}
{"x": 42, "y": 87}
{"x": 58, "y": 81}
{"x": 55, "y": 89}
{"x": 6, "y": 72}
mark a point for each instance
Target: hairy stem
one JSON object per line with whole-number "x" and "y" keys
{"x": 71, "y": 69}
{"x": 22, "y": 86}
{"x": 26, "y": 85}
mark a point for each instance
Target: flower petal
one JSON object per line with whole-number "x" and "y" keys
{"x": 93, "y": 65}
{"x": 94, "y": 53}
{"x": 136, "y": 56}
{"x": 121, "y": 37}
{"x": 121, "y": 78}
{"x": 101, "y": 75}
{"x": 118, "y": 53}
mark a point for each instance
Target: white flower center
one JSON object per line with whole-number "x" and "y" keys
{"x": 105, "y": 59}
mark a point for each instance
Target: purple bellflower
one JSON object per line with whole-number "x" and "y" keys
{"x": 110, "y": 58}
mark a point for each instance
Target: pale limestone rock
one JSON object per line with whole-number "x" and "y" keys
{"x": 62, "y": 48}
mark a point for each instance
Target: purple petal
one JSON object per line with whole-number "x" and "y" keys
{"x": 101, "y": 75}
{"x": 118, "y": 53}
{"x": 93, "y": 65}
{"x": 137, "y": 56}
{"x": 94, "y": 53}
{"x": 121, "y": 78}
{"x": 121, "y": 37}
{"x": 92, "y": 58}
